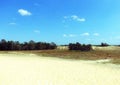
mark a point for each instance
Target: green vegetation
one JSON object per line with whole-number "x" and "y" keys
{"x": 78, "y": 46}
{"x": 95, "y": 54}
{"x": 91, "y": 55}
{"x": 66, "y": 54}
{"x": 104, "y": 44}
{"x": 72, "y": 51}
{"x": 31, "y": 45}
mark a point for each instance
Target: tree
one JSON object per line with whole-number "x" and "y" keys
{"x": 52, "y": 45}
{"x": 31, "y": 45}
{"x": 3, "y": 44}
{"x": 10, "y": 45}
{"x": 24, "y": 46}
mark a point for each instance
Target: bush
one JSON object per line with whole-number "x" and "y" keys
{"x": 104, "y": 44}
{"x": 78, "y": 46}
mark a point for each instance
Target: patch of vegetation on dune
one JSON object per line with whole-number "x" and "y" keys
{"x": 92, "y": 55}
{"x": 95, "y": 54}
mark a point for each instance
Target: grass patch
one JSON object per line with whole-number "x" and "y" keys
{"x": 115, "y": 61}
{"x": 114, "y": 55}
{"x": 92, "y": 55}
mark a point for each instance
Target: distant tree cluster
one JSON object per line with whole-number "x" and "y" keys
{"x": 104, "y": 44}
{"x": 31, "y": 45}
{"x": 78, "y": 46}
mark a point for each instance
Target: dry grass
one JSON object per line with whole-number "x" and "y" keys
{"x": 79, "y": 55}
{"x": 97, "y": 53}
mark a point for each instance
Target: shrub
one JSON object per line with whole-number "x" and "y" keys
{"x": 78, "y": 46}
{"x": 104, "y": 44}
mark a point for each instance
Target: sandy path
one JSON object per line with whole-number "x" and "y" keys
{"x": 33, "y": 70}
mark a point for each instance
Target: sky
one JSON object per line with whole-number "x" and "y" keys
{"x": 61, "y": 21}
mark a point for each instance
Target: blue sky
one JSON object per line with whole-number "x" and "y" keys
{"x": 61, "y": 21}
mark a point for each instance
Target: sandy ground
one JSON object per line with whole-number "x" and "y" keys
{"x": 106, "y": 48}
{"x": 29, "y": 69}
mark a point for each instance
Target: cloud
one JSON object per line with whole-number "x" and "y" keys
{"x": 64, "y": 35}
{"x": 96, "y": 34}
{"x": 65, "y": 17}
{"x": 69, "y": 35}
{"x": 76, "y": 35}
{"x": 72, "y": 35}
{"x": 81, "y": 20}
{"x": 37, "y": 31}
{"x": 12, "y": 23}
{"x": 24, "y": 12}
{"x": 74, "y": 18}
{"x": 85, "y": 34}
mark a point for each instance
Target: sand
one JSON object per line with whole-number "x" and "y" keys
{"x": 30, "y": 69}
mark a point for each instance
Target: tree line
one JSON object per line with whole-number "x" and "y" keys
{"x": 31, "y": 45}
{"x": 78, "y": 46}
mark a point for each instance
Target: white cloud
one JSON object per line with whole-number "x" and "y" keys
{"x": 69, "y": 35}
{"x": 96, "y": 34}
{"x": 81, "y": 19}
{"x": 12, "y": 23}
{"x": 24, "y": 12}
{"x": 64, "y": 35}
{"x": 65, "y": 17}
{"x": 37, "y": 31}
{"x": 76, "y": 18}
{"x": 72, "y": 35}
{"x": 85, "y": 34}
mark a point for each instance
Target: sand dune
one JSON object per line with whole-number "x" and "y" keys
{"x": 29, "y": 69}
